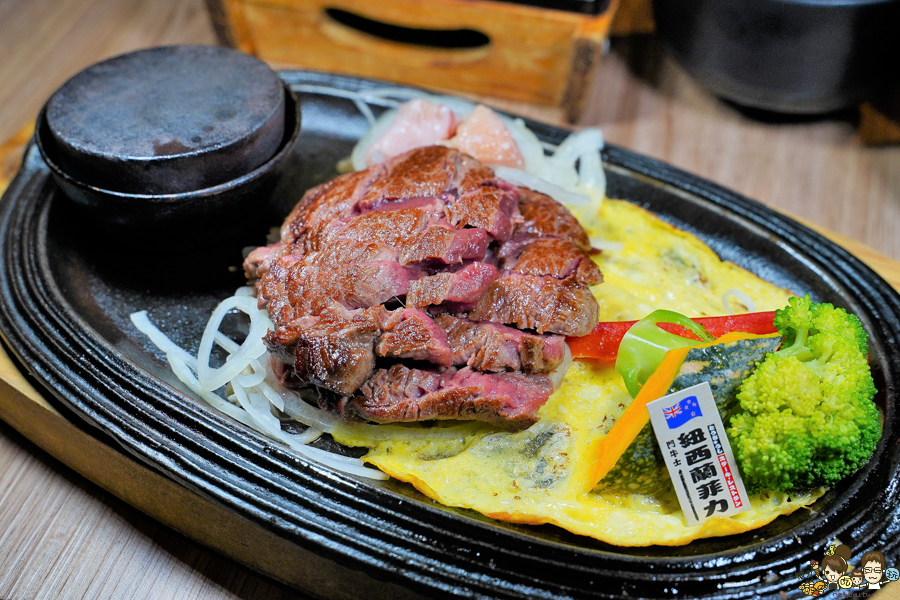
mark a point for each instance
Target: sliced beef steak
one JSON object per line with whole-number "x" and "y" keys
{"x": 409, "y": 333}
{"x": 337, "y": 349}
{"x": 421, "y": 173}
{"x": 260, "y": 260}
{"x": 557, "y": 257}
{"x": 402, "y": 394}
{"x": 493, "y": 347}
{"x": 488, "y": 208}
{"x": 542, "y": 303}
{"x": 331, "y": 350}
{"x": 434, "y": 173}
{"x": 453, "y": 290}
{"x": 430, "y": 258}
{"x": 545, "y": 217}
{"x": 414, "y": 234}
{"x": 353, "y": 276}
{"x": 321, "y": 205}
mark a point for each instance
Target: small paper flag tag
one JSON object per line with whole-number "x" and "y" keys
{"x": 692, "y": 439}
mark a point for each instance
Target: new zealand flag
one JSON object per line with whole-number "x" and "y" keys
{"x": 681, "y": 413}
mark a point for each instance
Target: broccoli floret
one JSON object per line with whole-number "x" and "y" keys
{"x": 806, "y": 415}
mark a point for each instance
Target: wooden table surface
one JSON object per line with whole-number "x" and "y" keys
{"x": 63, "y": 537}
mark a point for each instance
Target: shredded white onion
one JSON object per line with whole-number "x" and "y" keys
{"x": 187, "y": 376}
{"x": 301, "y": 411}
{"x": 520, "y": 177}
{"x": 591, "y": 175}
{"x": 143, "y": 324}
{"x": 252, "y": 385}
{"x": 529, "y": 145}
{"x": 577, "y": 144}
{"x": 363, "y": 108}
{"x": 260, "y": 412}
{"x": 256, "y": 376}
{"x": 252, "y": 348}
{"x": 741, "y": 297}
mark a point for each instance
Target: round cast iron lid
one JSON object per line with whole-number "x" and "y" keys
{"x": 167, "y": 120}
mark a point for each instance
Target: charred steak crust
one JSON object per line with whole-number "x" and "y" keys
{"x": 428, "y": 257}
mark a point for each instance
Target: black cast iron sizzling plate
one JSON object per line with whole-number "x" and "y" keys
{"x": 66, "y": 292}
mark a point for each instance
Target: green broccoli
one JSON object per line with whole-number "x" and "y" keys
{"x": 807, "y": 417}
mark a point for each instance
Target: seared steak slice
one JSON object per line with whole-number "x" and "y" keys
{"x": 420, "y": 177}
{"x": 337, "y": 349}
{"x": 260, "y": 260}
{"x": 321, "y": 205}
{"x": 308, "y": 285}
{"x": 487, "y": 207}
{"x": 545, "y": 217}
{"x": 556, "y": 257}
{"x": 493, "y": 347}
{"x": 542, "y": 303}
{"x": 421, "y": 173}
{"x": 272, "y": 289}
{"x": 414, "y": 234}
{"x": 417, "y": 235}
{"x": 448, "y": 246}
{"x": 410, "y": 333}
{"x": 332, "y": 350}
{"x": 469, "y": 175}
{"x": 402, "y": 394}
{"x": 460, "y": 290}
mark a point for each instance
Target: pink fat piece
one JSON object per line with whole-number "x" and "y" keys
{"x": 418, "y": 123}
{"x": 484, "y": 136}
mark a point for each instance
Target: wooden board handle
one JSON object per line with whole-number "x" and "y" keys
{"x": 351, "y": 29}
{"x": 427, "y": 37}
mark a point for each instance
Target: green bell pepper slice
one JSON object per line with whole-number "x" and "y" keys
{"x": 645, "y": 345}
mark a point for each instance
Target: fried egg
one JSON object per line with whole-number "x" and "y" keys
{"x": 539, "y": 475}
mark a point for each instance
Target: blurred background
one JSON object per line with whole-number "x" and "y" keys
{"x": 710, "y": 88}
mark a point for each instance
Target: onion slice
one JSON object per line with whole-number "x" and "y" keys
{"x": 741, "y": 297}
{"x": 520, "y": 177}
{"x": 254, "y": 395}
{"x": 252, "y": 348}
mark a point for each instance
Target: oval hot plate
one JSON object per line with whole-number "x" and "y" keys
{"x": 66, "y": 292}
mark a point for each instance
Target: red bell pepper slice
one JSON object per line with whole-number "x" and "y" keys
{"x": 602, "y": 343}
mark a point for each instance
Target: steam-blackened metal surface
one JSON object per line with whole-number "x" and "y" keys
{"x": 66, "y": 318}
{"x": 167, "y": 120}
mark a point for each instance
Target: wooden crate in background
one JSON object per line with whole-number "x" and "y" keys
{"x": 505, "y": 50}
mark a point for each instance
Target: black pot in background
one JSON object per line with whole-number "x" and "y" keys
{"x": 793, "y": 56}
